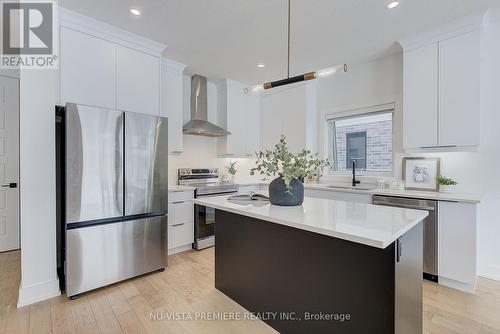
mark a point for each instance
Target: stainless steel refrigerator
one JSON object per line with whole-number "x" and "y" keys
{"x": 115, "y": 196}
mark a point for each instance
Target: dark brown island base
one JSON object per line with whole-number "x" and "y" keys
{"x": 300, "y": 282}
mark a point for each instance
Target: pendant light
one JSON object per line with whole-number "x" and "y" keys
{"x": 299, "y": 78}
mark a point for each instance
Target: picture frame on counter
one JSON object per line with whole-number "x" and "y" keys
{"x": 421, "y": 173}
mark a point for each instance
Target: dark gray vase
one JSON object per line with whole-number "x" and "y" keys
{"x": 279, "y": 196}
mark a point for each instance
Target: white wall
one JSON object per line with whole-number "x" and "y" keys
{"x": 37, "y": 186}
{"x": 201, "y": 152}
{"x": 364, "y": 85}
{"x": 291, "y": 111}
{"x": 489, "y": 156}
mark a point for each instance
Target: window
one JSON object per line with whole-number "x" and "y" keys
{"x": 356, "y": 149}
{"x": 366, "y": 139}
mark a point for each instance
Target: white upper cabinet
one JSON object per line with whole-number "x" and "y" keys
{"x": 138, "y": 81}
{"x": 441, "y": 82}
{"x": 104, "y": 66}
{"x": 172, "y": 102}
{"x": 238, "y": 112}
{"x": 88, "y": 70}
{"x": 459, "y": 90}
{"x": 420, "y": 103}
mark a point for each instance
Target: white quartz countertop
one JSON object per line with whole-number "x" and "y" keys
{"x": 177, "y": 188}
{"x": 438, "y": 196}
{"x": 366, "y": 224}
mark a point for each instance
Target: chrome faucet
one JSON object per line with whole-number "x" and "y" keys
{"x": 354, "y": 181}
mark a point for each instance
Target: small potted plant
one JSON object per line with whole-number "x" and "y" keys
{"x": 231, "y": 169}
{"x": 445, "y": 183}
{"x": 288, "y": 188}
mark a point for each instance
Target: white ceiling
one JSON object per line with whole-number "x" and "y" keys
{"x": 228, "y": 38}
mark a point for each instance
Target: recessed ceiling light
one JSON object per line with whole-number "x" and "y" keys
{"x": 135, "y": 11}
{"x": 260, "y": 65}
{"x": 393, "y": 4}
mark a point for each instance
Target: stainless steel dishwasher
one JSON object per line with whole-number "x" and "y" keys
{"x": 430, "y": 228}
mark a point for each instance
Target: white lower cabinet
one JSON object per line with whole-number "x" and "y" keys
{"x": 179, "y": 236}
{"x": 457, "y": 245}
{"x": 180, "y": 221}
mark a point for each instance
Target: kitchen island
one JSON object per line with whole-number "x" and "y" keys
{"x": 323, "y": 267}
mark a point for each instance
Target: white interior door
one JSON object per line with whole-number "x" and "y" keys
{"x": 9, "y": 164}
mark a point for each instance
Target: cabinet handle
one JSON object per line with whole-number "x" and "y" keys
{"x": 179, "y": 202}
{"x": 9, "y": 185}
{"x": 176, "y": 225}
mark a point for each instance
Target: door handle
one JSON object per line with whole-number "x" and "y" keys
{"x": 176, "y": 225}
{"x": 9, "y": 185}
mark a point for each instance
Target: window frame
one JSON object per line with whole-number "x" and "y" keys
{"x": 331, "y": 119}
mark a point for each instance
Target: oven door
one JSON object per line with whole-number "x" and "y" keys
{"x": 204, "y": 224}
{"x": 204, "y": 221}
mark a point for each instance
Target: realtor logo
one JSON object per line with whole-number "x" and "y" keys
{"x": 29, "y": 36}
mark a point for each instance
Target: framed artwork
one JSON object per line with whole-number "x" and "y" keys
{"x": 421, "y": 173}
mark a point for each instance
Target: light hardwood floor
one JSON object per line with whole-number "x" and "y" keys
{"x": 188, "y": 286}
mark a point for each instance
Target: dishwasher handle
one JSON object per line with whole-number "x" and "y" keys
{"x": 403, "y": 206}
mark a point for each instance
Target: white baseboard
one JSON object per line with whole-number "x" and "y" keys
{"x": 176, "y": 250}
{"x": 38, "y": 292}
{"x": 450, "y": 283}
{"x": 490, "y": 272}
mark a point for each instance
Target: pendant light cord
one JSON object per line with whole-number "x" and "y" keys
{"x": 288, "y": 68}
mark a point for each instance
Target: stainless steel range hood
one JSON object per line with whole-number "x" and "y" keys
{"x": 199, "y": 125}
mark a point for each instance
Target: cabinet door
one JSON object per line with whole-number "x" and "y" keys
{"x": 88, "y": 70}
{"x": 236, "y": 119}
{"x": 138, "y": 81}
{"x": 181, "y": 234}
{"x": 252, "y": 121}
{"x": 457, "y": 242}
{"x": 180, "y": 212}
{"x": 239, "y": 111}
{"x": 459, "y": 90}
{"x": 172, "y": 107}
{"x": 420, "y": 97}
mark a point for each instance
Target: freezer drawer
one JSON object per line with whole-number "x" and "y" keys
{"x": 104, "y": 254}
